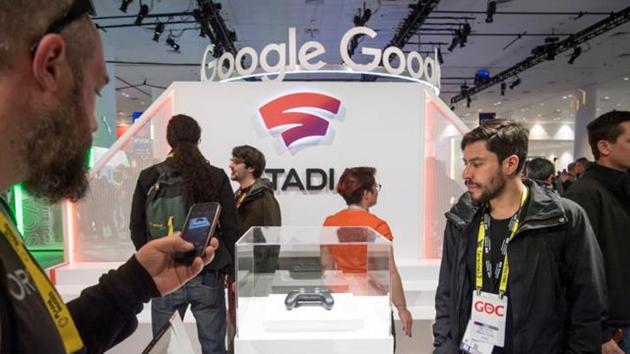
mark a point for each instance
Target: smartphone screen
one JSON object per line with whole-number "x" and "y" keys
{"x": 200, "y": 224}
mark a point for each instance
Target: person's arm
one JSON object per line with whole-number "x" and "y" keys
{"x": 398, "y": 296}
{"x": 591, "y": 203}
{"x": 585, "y": 285}
{"x": 105, "y": 314}
{"x": 228, "y": 219}
{"x": 271, "y": 210}
{"x": 398, "y": 292}
{"x": 138, "y": 217}
{"x": 443, "y": 340}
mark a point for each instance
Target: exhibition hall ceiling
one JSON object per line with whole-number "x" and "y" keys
{"x": 544, "y": 95}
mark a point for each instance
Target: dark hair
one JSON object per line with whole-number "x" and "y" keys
{"x": 183, "y": 134}
{"x": 606, "y": 127}
{"x": 540, "y": 169}
{"x": 23, "y": 21}
{"x": 503, "y": 138}
{"x": 252, "y": 157}
{"x": 354, "y": 181}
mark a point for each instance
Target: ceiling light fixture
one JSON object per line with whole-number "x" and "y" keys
{"x": 144, "y": 11}
{"x": 159, "y": 29}
{"x": 576, "y": 53}
{"x": 491, "y": 10}
{"x": 515, "y": 83}
{"x": 171, "y": 43}
{"x": 125, "y": 5}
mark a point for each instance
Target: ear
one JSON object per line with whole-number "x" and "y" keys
{"x": 604, "y": 147}
{"x": 49, "y": 61}
{"x": 510, "y": 164}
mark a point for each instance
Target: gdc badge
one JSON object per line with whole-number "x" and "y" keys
{"x": 486, "y": 327}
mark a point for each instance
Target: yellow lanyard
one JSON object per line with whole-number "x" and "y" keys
{"x": 481, "y": 236}
{"x": 56, "y": 308}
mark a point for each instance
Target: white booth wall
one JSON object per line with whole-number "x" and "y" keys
{"x": 402, "y": 129}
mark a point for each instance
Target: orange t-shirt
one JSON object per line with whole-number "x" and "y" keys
{"x": 353, "y": 258}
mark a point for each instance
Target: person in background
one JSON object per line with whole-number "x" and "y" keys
{"x": 604, "y": 193}
{"x": 541, "y": 171}
{"x": 358, "y": 187}
{"x": 580, "y": 166}
{"x": 516, "y": 257}
{"x": 51, "y": 69}
{"x": 257, "y": 206}
{"x": 202, "y": 182}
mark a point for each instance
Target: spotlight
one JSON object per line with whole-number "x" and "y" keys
{"x": 576, "y": 53}
{"x": 159, "y": 28}
{"x": 454, "y": 41}
{"x": 515, "y": 83}
{"x": 468, "y": 101}
{"x": 503, "y": 86}
{"x": 125, "y": 5}
{"x": 439, "y": 55}
{"x": 217, "y": 51}
{"x": 171, "y": 43}
{"x": 144, "y": 11}
{"x": 463, "y": 34}
{"x": 491, "y": 10}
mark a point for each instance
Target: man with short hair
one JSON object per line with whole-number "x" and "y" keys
{"x": 604, "y": 193}
{"x": 255, "y": 200}
{"x": 51, "y": 67}
{"x": 521, "y": 271}
{"x": 257, "y": 206}
{"x": 541, "y": 171}
{"x": 580, "y": 166}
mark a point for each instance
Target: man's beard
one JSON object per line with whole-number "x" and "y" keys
{"x": 493, "y": 188}
{"x": 56, "y": 151}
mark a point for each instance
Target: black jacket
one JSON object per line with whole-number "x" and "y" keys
{"x": 228, "y": 221}
{"x": 604, "y": 194}
{"x": 104, "y": 314}
{"x": 556, "y": 286}
{"x": 259, "y": 208}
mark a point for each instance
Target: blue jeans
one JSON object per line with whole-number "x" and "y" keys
{"x": 625, "y": 344}
{"x": 206, "y": 295}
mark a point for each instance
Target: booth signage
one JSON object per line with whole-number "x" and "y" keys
{"x": 290, "y": 58}
{"x": 299, "y": 115}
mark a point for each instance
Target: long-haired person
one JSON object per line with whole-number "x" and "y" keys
{"x": 359, "y": 189}
{"x": 202, "y": 182}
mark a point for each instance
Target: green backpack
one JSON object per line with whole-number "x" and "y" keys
{"x": 166, "y": 204}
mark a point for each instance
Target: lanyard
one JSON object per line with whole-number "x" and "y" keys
{"x": 481, "y": 239}
{"x": 56, "y": 308}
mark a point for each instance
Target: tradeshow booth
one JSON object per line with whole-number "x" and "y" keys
{"x": 309, "y": 132}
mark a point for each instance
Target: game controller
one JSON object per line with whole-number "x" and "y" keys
{"x": 317, "y": 296}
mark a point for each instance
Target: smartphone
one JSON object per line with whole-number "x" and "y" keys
{"x": 199, "y": 227}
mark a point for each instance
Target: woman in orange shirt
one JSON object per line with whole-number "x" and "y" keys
{"x": 359, "y": 189}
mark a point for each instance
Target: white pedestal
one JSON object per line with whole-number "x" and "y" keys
{"x": 354, "y": 324}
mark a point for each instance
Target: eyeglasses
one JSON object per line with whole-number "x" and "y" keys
{"x": 378, "y": 187}
{"x": 78, "y": 9}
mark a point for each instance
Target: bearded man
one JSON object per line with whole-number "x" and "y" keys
{"x": 521, "y": 271}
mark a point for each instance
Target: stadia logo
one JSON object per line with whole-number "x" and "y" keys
{"x": 300, "y": 115}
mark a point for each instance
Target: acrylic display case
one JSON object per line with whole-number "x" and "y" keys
{"x": 319, "y": 289}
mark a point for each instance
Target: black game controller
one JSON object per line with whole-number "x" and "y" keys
{"x": 317, "y": 296}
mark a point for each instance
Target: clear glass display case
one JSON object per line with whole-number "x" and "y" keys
{"x": 314, "y": 284}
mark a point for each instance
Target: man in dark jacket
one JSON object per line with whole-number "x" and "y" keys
{"x": 604, "y": 193}
{"x": 257, "y": 206}
{"x": 201, "y": 182}
{"x": 51, "y": 68}
{"x": 551, "y": 299}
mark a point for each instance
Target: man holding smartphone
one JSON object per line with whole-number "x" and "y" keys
{"x": 51, "y": 68}
{"x": 164, "y": 194}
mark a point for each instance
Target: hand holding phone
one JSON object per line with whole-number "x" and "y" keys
{"x": 199, "y": 227}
